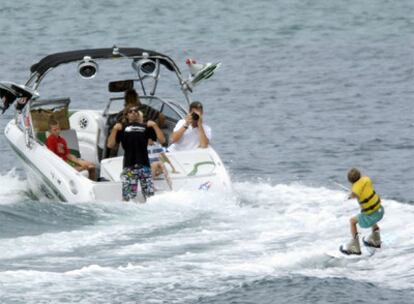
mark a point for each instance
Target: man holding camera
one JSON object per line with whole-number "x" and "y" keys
{"x": 191, "y": 133}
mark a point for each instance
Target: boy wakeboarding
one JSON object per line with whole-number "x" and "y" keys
{"x": 371, "y": 212}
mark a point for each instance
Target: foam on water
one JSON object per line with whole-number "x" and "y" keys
{"x": 12, "y": 188}
{"x": 184, "y": 245}
{"x": 307, "y": 89}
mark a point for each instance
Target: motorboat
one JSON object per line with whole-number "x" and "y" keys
{"x": 84, "y": 91}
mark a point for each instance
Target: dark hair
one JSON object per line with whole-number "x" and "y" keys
{"x": 132, "y": 98}
{"x": 354, "y": 175}
{"x": 196, "y": 105}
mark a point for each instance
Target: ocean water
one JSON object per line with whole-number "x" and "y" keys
{"x": 307, "y": 89}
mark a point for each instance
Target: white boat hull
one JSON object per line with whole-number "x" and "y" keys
{"x": 200, "y": 169}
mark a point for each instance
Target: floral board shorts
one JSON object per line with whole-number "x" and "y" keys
{"x": 130, "y": 177}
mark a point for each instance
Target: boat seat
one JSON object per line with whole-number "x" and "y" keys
{"x": 41, "y": 117}
{"x": 111, "y": 168}
{"x": 69, "y": 135}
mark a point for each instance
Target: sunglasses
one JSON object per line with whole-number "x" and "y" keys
{"x": 133, "y": 110}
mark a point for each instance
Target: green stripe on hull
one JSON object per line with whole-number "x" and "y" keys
{"x": 195, "y": 168}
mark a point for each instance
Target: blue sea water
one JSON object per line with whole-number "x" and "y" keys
{"x": 306, "y": 90}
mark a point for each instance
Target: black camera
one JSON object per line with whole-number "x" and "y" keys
{"x": 195, "y": 116}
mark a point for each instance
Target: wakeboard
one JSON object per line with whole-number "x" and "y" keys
{"x": 366, "y": 252}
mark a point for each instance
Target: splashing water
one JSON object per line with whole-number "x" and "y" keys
{"x": 12, "y": 188}
{"x": 185, "y": 245}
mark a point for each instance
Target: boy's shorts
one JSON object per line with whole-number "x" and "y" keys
{"x": 369, "y": 220}
{"x": 71, "y": 163}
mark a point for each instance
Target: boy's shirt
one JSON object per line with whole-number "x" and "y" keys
{"x": 58, "y": 145}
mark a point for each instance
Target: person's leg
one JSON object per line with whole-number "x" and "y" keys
{"x": 165, "y": 159}
{"x": 353, "y": 246}
{"x": 374, "y": 239}
{"x": 87, "y": 165}
{"x": 353, "y": 223}
{"x": 156, "y": 169}
{"x": 135, "y": 173}
{"x": 92, "y": 170}
{"x": 166, "y": 174}
{"x": 126, "y": 179}
{"x": 92, "y": 173}
{"x": 145, "y": 179}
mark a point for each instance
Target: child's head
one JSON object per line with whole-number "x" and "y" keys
{"x": 54, "y": 127}
{"x": 354, "y": 175}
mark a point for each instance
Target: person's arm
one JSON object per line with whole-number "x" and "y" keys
{"x": 356, "y": 190}
{"x": 73, "y": 159}
{"x": 177, "y": 134}
{"x": 83, "y": 164}
{"x": 161, "y": 120}
{"x": 204, "y": 141}
{"x": 352, "y": 195}
{"x": 112, "y": 137}
{"x": 158, "y": 132}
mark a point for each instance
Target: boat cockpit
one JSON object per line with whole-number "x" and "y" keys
{"x": 86, "y": 131}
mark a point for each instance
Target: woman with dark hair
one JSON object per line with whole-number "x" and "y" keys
{"x": 134, "y": 136}
{"x": 132, "y": 99}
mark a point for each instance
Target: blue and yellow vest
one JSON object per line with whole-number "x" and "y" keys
{"x": 368, "y": 200}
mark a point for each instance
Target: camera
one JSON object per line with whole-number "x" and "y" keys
{"x": 195, "y": 116}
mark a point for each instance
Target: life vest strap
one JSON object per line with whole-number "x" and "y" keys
{"x": 368, "y": 198}
{"x": 372, "y": 207}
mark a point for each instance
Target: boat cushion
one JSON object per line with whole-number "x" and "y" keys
{"x": 41, "y": 117}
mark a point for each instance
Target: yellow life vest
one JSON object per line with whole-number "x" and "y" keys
{"x": 368, "y": 200}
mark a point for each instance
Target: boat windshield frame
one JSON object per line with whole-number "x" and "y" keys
{"x": 50, "y": 62}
